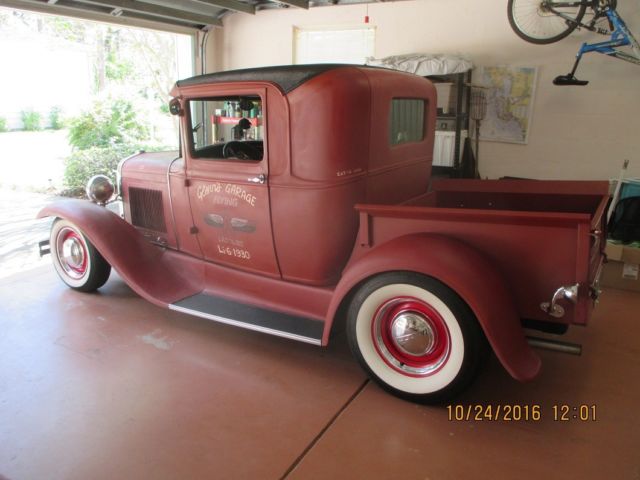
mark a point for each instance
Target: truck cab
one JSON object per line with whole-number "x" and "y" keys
{"x": 277, "y": 198}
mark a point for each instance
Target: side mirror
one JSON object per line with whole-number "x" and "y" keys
{"x": 175, "y": 108}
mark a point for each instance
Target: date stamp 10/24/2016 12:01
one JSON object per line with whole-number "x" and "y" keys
{"x": 522, "y": 413}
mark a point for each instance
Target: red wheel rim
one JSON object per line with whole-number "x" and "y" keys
{"x": 411, "y": 336}
{"x": 72, "y": 253}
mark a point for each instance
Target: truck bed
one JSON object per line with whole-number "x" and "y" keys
{"x": 516, "y": 196}
{"x": 539, "y": 234}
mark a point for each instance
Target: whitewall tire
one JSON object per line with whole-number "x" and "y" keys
{"x": 415, "y": 336}
{"x": 75, "y": 259}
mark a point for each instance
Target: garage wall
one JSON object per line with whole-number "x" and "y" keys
{"x": 576, "y": 132}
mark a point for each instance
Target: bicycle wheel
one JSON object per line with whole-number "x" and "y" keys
{"x": 539, "y": 21}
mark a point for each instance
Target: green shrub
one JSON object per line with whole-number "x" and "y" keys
{"x": 81, "y": 165}
{"x": 3, "y": 124}
{"x": 31, "y": 120}
{"x": 55, "y": 118}
{"x": 108, "y": 123}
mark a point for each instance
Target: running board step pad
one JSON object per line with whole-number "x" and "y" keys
{"x": 252, "y": 318}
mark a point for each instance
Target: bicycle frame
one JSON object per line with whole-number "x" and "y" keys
{"x": 620, "y": 37}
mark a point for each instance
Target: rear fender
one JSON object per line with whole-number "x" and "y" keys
{"x": 468, "y": 273}
{"x": 159, "y": 275}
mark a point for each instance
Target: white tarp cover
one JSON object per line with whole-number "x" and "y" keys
{"x": 423, "y": 64}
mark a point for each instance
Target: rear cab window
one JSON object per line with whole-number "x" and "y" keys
{"x": 406, "y": 120}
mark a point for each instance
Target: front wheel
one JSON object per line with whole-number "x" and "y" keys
{"x": 415, "y": 336}
{"x": 75, "y": 259}
{"x": 542, "y": 21}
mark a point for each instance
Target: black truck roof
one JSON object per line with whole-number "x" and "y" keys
{"x": 287, "y": 77}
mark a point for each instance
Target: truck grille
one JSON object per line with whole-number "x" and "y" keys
{"x": 147, "y": 209}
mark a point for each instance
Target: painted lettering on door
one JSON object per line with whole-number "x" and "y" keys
{"x": 233, "y": 192}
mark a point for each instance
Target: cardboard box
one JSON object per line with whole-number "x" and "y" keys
{"x": 622, "y": 270}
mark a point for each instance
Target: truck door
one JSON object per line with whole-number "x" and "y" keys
{"x": 227, "y": 174}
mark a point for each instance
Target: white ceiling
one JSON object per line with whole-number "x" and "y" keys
{"x": 172, "y": 15}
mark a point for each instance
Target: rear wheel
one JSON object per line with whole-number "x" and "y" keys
{"x": 539, "y": 22}
{"x": 75, "y": 259}
{"x": 415, "y": 336}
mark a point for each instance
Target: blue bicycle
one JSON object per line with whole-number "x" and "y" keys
{"x": 548, "y": 21}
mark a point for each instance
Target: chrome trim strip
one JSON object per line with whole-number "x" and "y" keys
{"x": 237, "y": 323}
{"x": 596, "y": 278}
{"x": 173, "y": 216}
{"x": 119, "y": 173}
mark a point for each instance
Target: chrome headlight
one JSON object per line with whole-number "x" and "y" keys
{"x": 100, "y": 189}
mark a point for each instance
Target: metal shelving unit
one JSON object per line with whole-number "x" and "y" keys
{"x": 459, "y": 119}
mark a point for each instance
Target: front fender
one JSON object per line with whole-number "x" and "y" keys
{"x": 464, "y": 270}
{"x": 159, "y": 275}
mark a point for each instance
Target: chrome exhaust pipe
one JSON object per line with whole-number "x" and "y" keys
{"x": 555, "y": 345}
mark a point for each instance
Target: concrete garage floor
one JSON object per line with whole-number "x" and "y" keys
{"x": 108, "y": 386}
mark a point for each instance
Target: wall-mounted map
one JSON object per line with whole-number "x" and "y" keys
{"x": 510, "y": 92}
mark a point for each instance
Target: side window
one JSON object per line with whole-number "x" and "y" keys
{"x": 227, "y": 128}
{"x": 406, "y": 121}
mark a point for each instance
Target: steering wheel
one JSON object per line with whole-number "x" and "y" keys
{"x": 241, "y": 150}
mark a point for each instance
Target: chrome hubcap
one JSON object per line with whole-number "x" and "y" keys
{"x": 72, "y": 253}
{"x": 412, "y": 334}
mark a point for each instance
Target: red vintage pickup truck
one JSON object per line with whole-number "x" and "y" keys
{"x": 301, "y": 196}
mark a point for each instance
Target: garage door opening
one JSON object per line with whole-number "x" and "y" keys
{"x": 73, "y": 84}
{"x": 76, "y": 96}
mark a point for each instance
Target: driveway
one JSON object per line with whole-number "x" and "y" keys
{"x": 20, "y": 231}
{"x": 33, "y": 160}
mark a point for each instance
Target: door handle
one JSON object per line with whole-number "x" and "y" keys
{"x": 259, "y": 179}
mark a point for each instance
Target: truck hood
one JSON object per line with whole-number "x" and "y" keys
{"x": 152, "y": 167}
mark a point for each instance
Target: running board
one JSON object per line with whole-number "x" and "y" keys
{"x": 252, "y": 318}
